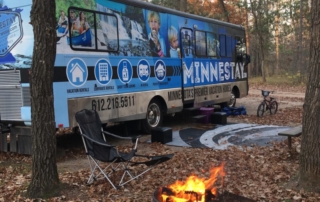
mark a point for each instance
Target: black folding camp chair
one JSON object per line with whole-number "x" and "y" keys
{"x": 98, "y": 151}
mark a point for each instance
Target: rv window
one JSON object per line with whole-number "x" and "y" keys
{"x": 201, "y": 45}
{"x": 229, "y": 46}
{"x": 107, "y": 32}
{"x": 240, "y": 48}
{"x": 212, "y": 44}
{"x": 82, "y": 29}
{"x": 222, "y": 45}
{"x": 186, "y": 36}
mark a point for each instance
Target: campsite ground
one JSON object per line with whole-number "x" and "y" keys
{"x": 259, "y": 173}
{"x": 287, "y": 97}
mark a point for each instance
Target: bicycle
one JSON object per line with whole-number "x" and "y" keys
{"x": 267, "y": 104}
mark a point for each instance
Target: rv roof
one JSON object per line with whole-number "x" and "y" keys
{"x": 154, "y": 7}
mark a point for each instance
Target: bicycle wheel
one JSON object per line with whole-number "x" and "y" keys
{"x": 261, "y": 109}
{"x": 273, "y": 107}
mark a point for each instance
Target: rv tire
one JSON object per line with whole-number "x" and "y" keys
{"x": 154, "y": 117}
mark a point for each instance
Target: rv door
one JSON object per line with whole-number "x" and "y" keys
{"x": 187, "y": 51}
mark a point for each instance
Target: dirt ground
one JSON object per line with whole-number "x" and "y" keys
{"x": 255, "y": 173}
{"x": 284, "y": 99}
{"x": 73, "y": 162}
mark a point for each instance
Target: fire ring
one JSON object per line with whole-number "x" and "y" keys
{"x": 225, "y": 196}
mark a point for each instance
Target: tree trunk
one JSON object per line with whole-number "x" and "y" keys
{"x": 262, "y": 59}
{"x": 259, "y": 35}
{"x": 277, "y": 38}
{"x": 44, "y": 180}
{"x": 256, "y": 63}
{"x": 183, "y": 5}
{"x": 224, "y": 10}
{"x": 300, "y": 42}
{"x": 247, "y": 38}
{"x": 263, "y": 72}
{"x": 310, "y": 147}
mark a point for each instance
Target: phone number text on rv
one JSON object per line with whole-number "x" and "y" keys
{"x": 112, "y": 103}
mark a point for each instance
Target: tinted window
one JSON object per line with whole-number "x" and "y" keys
{"x": 212, "y": 44}
{"x": 223, "y": 45}
{"x": 107, "y": 32}
{"x": 229, "y": 47}
{"x": 240, "y": 48}
{"x": 92, "y": 30}
{"x": 82, "y": 29}
{"x": 201, "y": 47}
{"x": 186, "y": 43}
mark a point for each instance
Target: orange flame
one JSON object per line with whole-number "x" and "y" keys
{"x": 196, "y": 185}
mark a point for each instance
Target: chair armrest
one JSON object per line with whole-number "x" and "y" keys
{"x": 95, "y": 141}
{"x": 134, "y": 139}
{"x": 120, "y": 137}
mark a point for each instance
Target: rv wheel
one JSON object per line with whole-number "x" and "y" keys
{"x": 154, "y": 117}
{"x": 231, "y": 102}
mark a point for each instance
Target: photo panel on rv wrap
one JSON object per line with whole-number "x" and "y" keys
{"x": 16, "y": 45}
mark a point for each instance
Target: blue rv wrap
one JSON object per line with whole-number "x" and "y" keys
{"x": 128, "y": 60}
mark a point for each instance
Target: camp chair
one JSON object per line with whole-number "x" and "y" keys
{"x": 99, "y": 151}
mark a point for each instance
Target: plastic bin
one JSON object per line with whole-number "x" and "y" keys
{"x": 206, "y": 111}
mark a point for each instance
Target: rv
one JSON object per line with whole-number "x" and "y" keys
{"x": 128, "y": 60}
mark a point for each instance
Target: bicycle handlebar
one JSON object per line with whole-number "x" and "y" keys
{"x": 266, "y": 93}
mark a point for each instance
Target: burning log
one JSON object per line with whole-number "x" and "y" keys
{"x": 194, "y": 189}
{"x": 193, "y": 196}
{"x": 209, "y": 196}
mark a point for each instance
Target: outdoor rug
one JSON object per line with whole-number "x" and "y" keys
{"x": 223, "y": 136}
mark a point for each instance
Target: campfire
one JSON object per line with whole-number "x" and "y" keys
{"x": 193, "y": 189}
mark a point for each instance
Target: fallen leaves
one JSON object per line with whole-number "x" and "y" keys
{"x": 278, "y": 88}
{"x": 259, "y": 173}
{"x": 284, "y": 117}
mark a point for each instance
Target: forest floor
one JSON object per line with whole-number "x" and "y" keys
{"x": 259, "y": 173}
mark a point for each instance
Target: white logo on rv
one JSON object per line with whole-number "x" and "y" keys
{"x": 200, "y": 72}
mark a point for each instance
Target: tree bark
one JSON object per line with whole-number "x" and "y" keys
{"x": 260, "y": 37}
{"x": 183, "y": 5}
{"x": 247, "y": 38}
{"x": 300, "y": 41}
{"x": 224, "y": 10}
{"x": 310, "y": 147}
{"x": 277, "y": 37}
{"x": 44, "y": 180}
